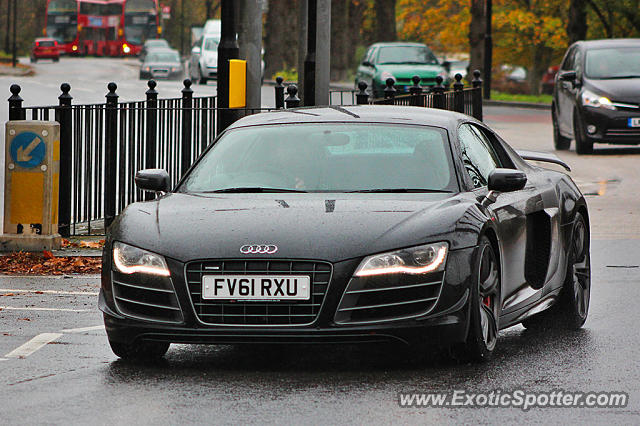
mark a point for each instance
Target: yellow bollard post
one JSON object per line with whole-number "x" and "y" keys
{"x": 32, "y": 167}
{"x": 237, "y": 83}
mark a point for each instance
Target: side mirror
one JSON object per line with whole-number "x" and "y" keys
{"x": 506, "y": 180}
{"x": 155, "y": 180}
{"x": 446, "y": 65}
{"x": 567, "y": 76}
{"x": 196, "y": 50}
{"x": 367, "y": 64}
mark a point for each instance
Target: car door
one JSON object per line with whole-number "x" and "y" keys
{"x": 565, "y": 94}
{"x": 525, "y": 229}
{"x": 366, "y": 69}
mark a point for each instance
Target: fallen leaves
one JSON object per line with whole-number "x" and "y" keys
{"x": 83, "y": 244}
{"x": 45, "y": 263}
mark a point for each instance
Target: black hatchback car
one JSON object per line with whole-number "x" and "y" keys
{"x": 348, "y": 224}
{"x": 597, "y": 95}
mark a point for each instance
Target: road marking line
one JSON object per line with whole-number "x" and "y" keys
{"x": 4, "y": 359}
{"x": 88, "y": 293}
{"x": 83, "y": 329}
{"x": 33, "y": 345}
{"x": 12, "y": 308}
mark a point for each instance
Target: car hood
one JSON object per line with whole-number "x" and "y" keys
{"x": 318, "y": 226}
{"x": 625, "y": 90}
{"x": 406, "y": 71}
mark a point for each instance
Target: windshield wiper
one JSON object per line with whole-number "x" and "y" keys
{"x": 401, "y": 190}
{"x": 250, "y": 189}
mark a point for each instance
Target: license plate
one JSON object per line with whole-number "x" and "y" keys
{"x": 256, "y": 287}
{"x": 634, "y": 122}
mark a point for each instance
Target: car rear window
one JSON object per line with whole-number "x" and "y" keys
{"x": 47, "y": 43}
{"x": 327, "y": 158}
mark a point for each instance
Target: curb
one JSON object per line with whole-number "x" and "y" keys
{"x": 530, "y": 105}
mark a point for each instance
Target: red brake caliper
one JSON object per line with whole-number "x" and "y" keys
{"x": 487, "y": 301}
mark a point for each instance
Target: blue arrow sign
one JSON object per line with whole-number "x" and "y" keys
{"x": 28, "y": 150}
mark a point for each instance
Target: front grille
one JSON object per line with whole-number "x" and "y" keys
{"x": 629, "y": 132}
{"x": 260, "y": 313}
{"x": 146, "y": 297}
{"x": 388, "y": 297}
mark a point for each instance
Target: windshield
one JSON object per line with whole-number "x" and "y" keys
{"x": 163, "y": 57}
{"x": 211, "y": 44}
{"x": 619, "y": 62}
{"x": 406, "y": 55}
{"x": 327, "y": 158}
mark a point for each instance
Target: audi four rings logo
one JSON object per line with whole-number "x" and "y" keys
{"x": 258, "y": 249}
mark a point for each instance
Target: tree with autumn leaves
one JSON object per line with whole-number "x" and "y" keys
{"x": 533, "y": 34}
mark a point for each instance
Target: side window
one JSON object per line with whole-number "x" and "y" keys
{"x": 478, "y": 156}
{"x": 567, "y": 65}
{"x": 577, "y": 62}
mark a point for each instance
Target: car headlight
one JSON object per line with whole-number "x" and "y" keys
{"x": 596, "y": 101}
{"x": 414, "y": 260}
{"x": 128, "y": 260}
{"x": 386, "y": 75}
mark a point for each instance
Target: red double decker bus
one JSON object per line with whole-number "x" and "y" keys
{"x": 102, "y": 27}
{"x": 141, "y": 22}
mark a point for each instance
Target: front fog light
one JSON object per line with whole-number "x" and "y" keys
{"x": 414, "y": 260}
{"x": 129, "y": 259}
{"x": 591, "y": 129}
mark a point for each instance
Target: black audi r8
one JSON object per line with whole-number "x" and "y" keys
{"x": 348, "y": 224}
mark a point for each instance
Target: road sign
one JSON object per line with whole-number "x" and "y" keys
{"x": 28, "y": 150}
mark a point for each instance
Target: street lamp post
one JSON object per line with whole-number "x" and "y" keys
{"x": 488, "y": 46}
{"x": 227, "y": 49}
{"x": 15, "y": 21}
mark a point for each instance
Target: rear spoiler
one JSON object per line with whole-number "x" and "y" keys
{"x": 545, "y": 157}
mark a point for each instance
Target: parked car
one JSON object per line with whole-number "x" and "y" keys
{"x": 155, "y": 43}
{"x": 45, "y": 48}
{"x": 353, "y": 224}
{"x": 203, "y": 64}
{"x": 399, "y": 61}
{"x": 162, "y": 63}
{"x": 597, "y": 95}
{"x": 457, "y": 67}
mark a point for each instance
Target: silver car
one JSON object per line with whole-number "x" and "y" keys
{"x": 203, "y": 65}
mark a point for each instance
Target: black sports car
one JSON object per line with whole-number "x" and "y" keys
{"x": 348, "y": 224}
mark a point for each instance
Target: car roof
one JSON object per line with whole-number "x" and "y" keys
{"x": 383, "y": 114}
{"x": 397, "y": 44}
{"x": 611, "y": 42}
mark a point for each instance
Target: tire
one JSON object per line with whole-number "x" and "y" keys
{"x": 56, "y": 60}
{"x": 139, "y": 350}
{"x": 34, "y": 60}
{"x": 559, "y": 142}
{"x": 572, "y": 308}
{"x": 484, "y": 308}
{"x": 202, "y": 80}
{"x": 583, "y": 145}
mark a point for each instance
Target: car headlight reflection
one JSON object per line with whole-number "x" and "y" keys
{"x": 596, "y": 101}
{"x": 129, "y": 260}
{"x": 416, "y": 260}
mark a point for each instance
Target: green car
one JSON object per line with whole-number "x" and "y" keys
{"x": 400, "y": 61}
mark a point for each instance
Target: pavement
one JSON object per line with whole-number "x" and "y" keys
{"x": 58, "y": 368}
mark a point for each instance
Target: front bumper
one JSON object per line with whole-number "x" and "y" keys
{"x": 445, "y": 323}
{"x": 611, "y": 125}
